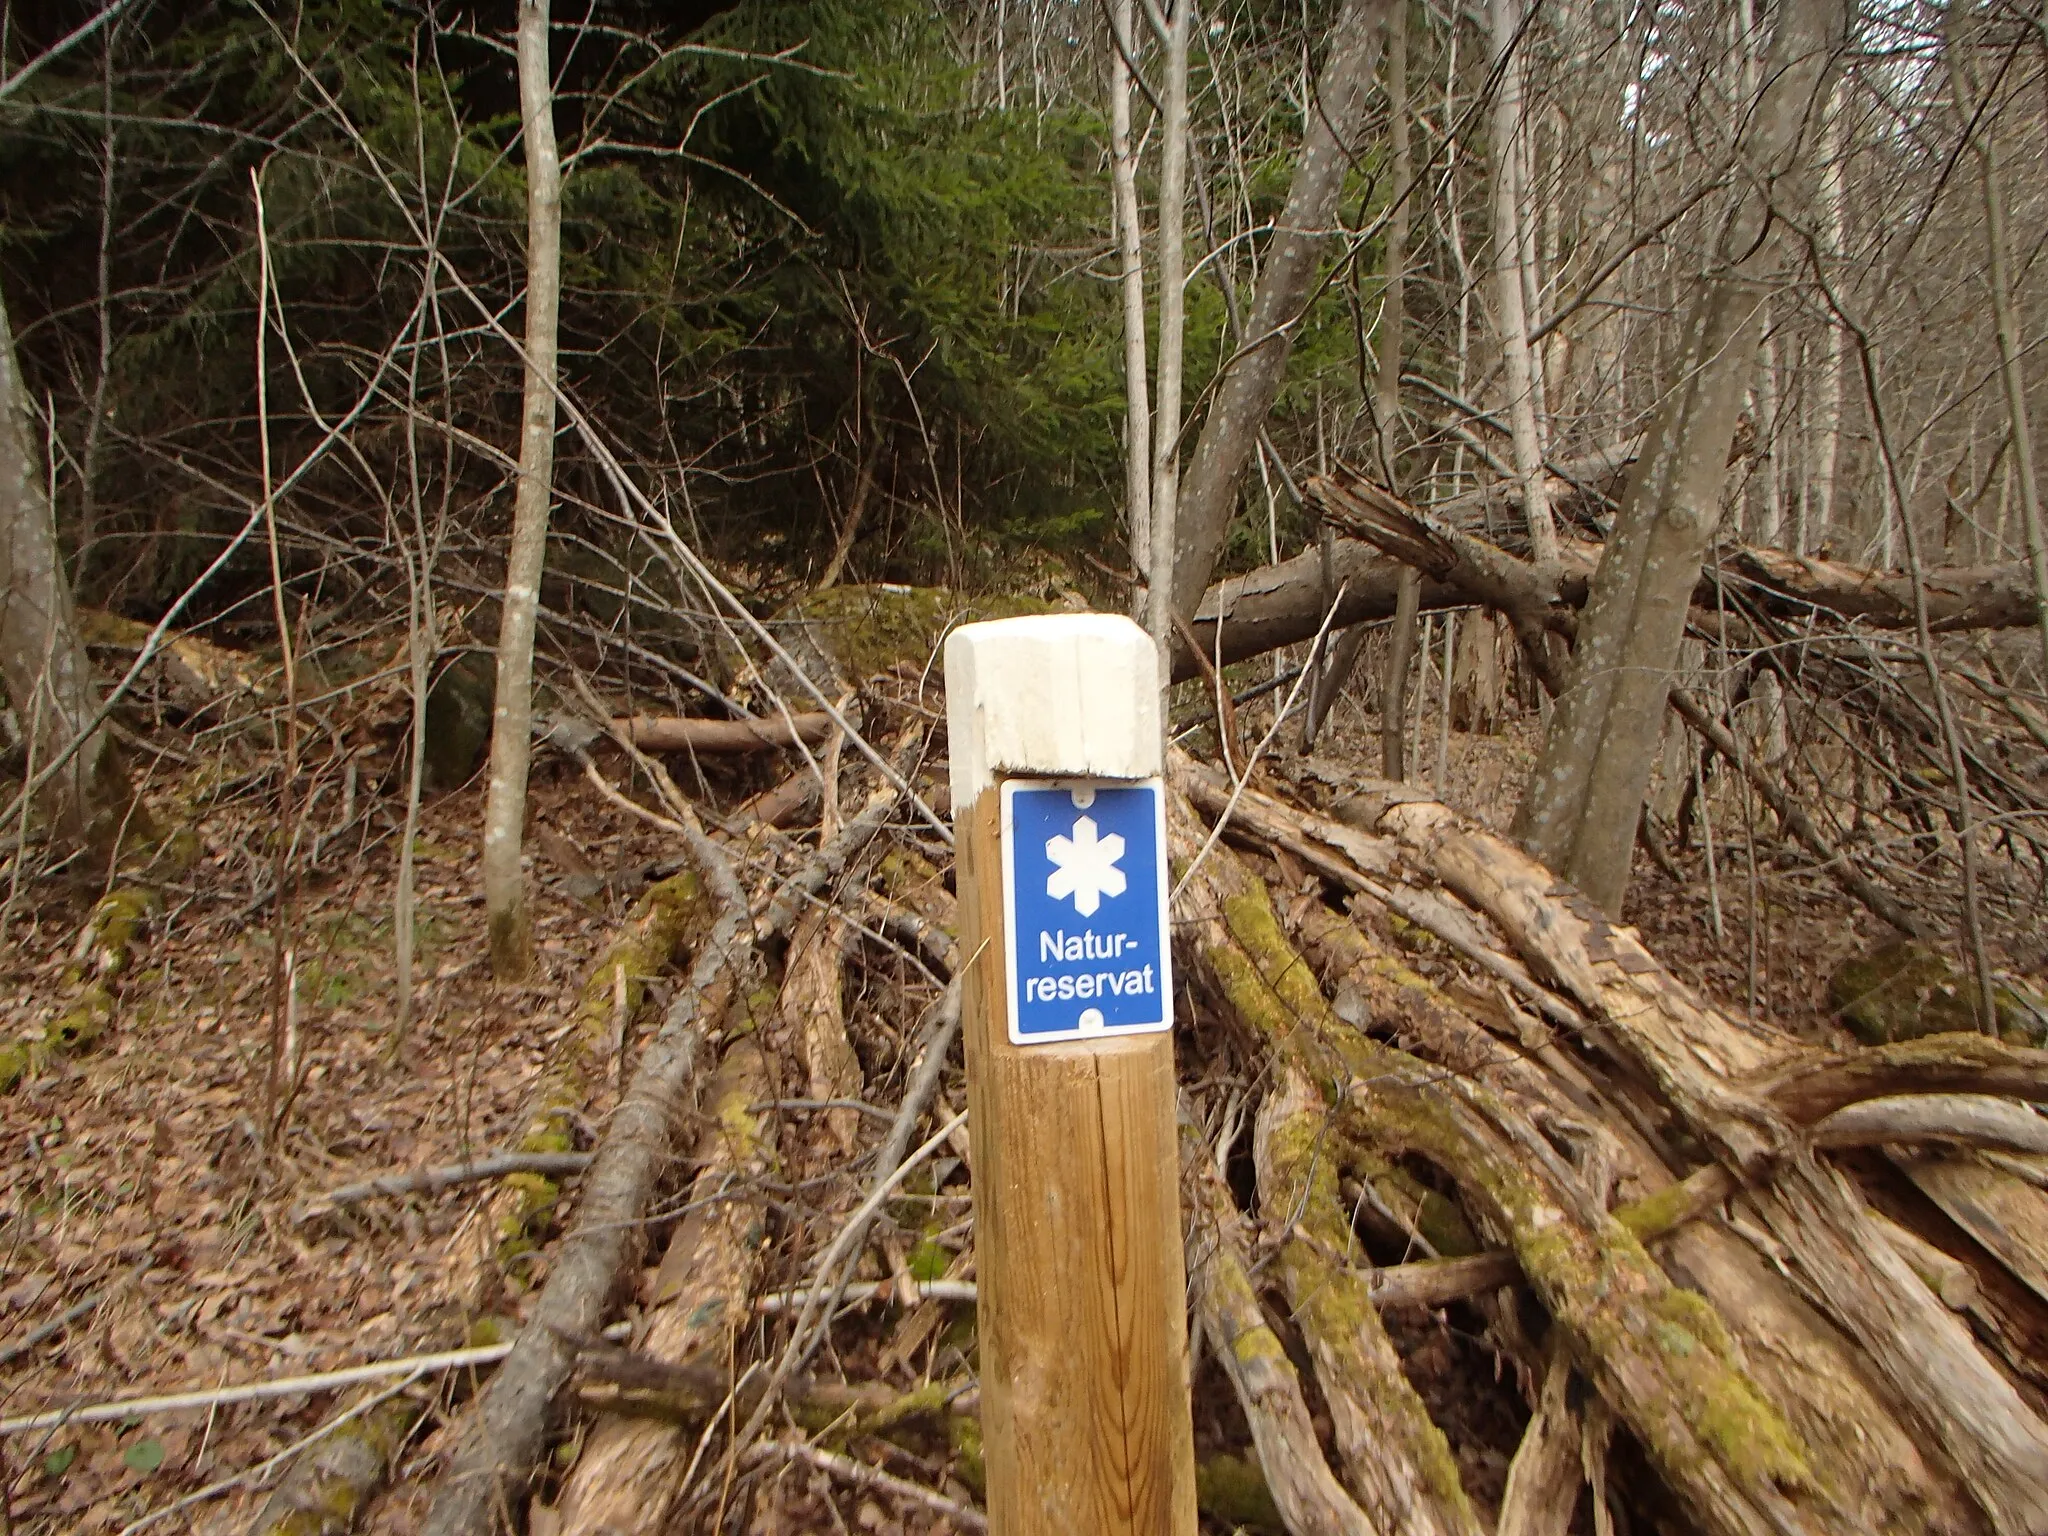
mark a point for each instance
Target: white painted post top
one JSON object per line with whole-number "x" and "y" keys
{"x": 1055, "y": 694}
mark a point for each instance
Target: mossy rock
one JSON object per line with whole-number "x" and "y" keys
{"x": 869, "y": 629}
{"x": 459, "y": 719}
{"x": 1233, "y": 1491}
{"x": 1905, "y": 991}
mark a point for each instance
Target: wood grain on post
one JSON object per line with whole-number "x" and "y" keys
{"x": 1078, "y": 1248}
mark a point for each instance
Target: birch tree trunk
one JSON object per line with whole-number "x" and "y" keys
{"x": 1173, "y": 165}
{"x": 1817, "y": 496}
{"x": 1510, "y": 249}
{"x": 1123, "y": 173}
{"x": 1579, "y": 814}
{"x": 42, "y": 658}
{"x": 511, "y": 928}
{"x": 1244, "y": 394}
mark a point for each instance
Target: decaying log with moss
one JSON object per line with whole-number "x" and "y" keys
{"x": 814, "y": 1018}
{"x": 1660, "y": 1356}
{"x": 1311, "y": 1500}
{"x": 330, "y": 1486}
{"x": 1395, "y": 1461}
{"x": 506, "y": 1433}
{"x": 104, "y": 954}
{"x": 1862, "y": 1424}
{"x": 518, "y": 1214}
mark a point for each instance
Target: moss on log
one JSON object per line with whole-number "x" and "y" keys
{"x": 519, "y": 1213}
{"x": 104, "y": 955}
{"x": 330, "y": 1485}
{"x": 1660, "y": 1356}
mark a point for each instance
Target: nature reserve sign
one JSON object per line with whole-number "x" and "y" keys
{"x": 1084, "y": 909}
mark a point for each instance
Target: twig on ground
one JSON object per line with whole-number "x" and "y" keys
{"x": 875, "y": 1290}
{"x": 861, "y": 1475}
{"x": 427, "y": 1181}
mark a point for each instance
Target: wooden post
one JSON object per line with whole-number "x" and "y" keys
{"x": 1084, "y": 1390}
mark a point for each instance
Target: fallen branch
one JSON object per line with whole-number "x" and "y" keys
{"x": 866, "y": 1291}
{"x": 507, "y": 1431}
{"x": 1311, "y": 1500}
{"x": 1965, "y": 1119}
{"x": 684, "y": 733}
{"x": 630, "y": 1469}
{"x": 429, "y": 1181}
{"x": 873, "y": 1479}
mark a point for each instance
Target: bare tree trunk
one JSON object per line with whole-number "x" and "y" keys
{"x": 2005, "y": 315}
{"x": 1579, "y": 815}
{"x": 1252, "y": 378}
{"x": 1173, "y": 165}
{"x": 1123, "y": 172}
{"x": 1509, "y": 279}
{"x": 42, "y": 658}
{"x": 1818, "y": 498}
{"x": 1387, "y": 411}
{"x": 1408, "y": 600}
{"x": 511, "y": 933}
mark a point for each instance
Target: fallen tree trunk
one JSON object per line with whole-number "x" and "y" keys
{"x": 1311, "y": 1500}
{"x": 1738, "y": 1467}
{"x": 631, "y": 1469}
{"x": 1284, "y": 603}
{"x": 519, "y": 1212}
{"x": 507, "y": 1431}
{"x": 1860, "y": 1443}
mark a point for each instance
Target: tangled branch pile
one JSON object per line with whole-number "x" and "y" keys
{"x": 1473, "y": 1186}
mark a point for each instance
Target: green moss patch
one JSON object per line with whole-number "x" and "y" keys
{"x": 1907, "y": 991}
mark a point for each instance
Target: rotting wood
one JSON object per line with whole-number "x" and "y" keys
{"x": 630, "y": 1469}
{"x": 1820, "y": 1083}
{"x": 1542, "y": 1492}
{"x": 329, "y": 1487}
{"x": 1311, "y": 1500}
{"x": 1826, "y": 1237}
{"x": 814, "y": 1014}
{"x": 1949, "y": 1278}
{"x": 1661, "y": 1357}
{"x": 102, "y": 956}
{"x": 2007, "y": 1216}
{"x": 1855, "y": 1443}
{"x": 1396, "y": 1463}
{"x": 505, "y": 1436}
{"x": 1965, "y": 1119}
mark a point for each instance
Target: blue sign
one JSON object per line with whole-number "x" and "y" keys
{"x": 1084, "y": 907}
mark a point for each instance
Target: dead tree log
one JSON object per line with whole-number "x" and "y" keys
{"x": 519, "y": 1212}
{"x": 684, "y": 733}
{"x": 1284, "y": 604}
{"x": 506, "y": 1433}
{"x": 1311, "y": 1500}
{"x": 1862, "y": 1444}
{"x": 630, "y": 1469}
{"x": 1601, "y": 1287}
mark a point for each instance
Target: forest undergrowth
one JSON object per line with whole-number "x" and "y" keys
{"x": 158, "y": 1236}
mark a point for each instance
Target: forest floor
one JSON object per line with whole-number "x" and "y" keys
{"x": 142, "y": 1210}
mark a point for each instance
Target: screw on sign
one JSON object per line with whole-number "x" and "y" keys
{"x": 1084, "y": 909}
{"x": 1066, "y": 1008}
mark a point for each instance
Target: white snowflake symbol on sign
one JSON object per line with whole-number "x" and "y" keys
{"x": 1084, "y": 866}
